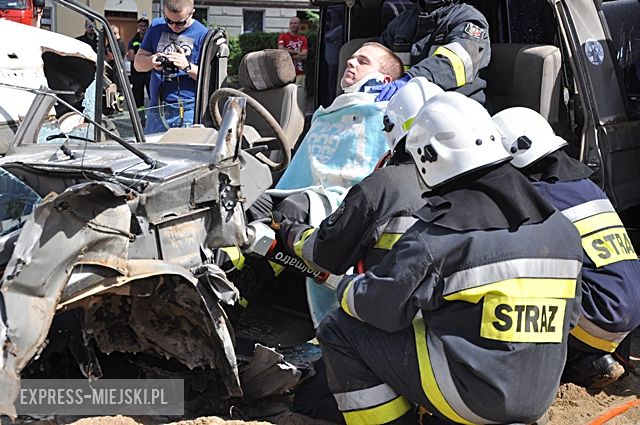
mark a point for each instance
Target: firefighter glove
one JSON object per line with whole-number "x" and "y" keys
{"x": 389, "y": 89}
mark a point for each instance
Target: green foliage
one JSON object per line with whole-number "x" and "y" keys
{"x": 235, "y": 55}
{"x": 313, "y": 17}
{"x": 254, "y": 41}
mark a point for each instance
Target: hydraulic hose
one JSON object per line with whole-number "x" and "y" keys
{"x": 613, "y": 412}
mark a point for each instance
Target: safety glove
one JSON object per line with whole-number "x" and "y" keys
{"x": 386, "y": 91}
{"x": 282, "y": 226}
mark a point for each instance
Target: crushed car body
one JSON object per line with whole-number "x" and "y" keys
{"x": 125, "y": 232}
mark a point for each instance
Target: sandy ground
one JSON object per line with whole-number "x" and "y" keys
{"x": 573, "y": 406}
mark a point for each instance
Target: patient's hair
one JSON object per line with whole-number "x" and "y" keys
{"x": 390, "y": 63}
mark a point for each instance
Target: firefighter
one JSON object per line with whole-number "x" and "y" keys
{"x": 373, "y": 215}
{"x": 610, "y": 306}
{"x": 446, "y": 42}
{"x": 376, "y": 211}
{"x": 468, "y": 314}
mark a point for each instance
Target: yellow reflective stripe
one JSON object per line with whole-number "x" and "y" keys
{"x": 344, "y": 302}
{"x": 520, "y": 288}
{"x": 235, "y": 255}
{"x": 427, "y": 378}
{"x": 297, "y": 247}
{"x": 456, "y": 63}
{"x": 277, "y": 268}
{"x": 244, "y": 303}
{"x": 408, "y": 123}
{"x": 387, "y": 240}
{"x": 381, "y": 414}
{"x": 598, "y": 222}
{"x": 593, "y": 341}
{"x": 609, "y": 246}
{"x": 533, "y": 320}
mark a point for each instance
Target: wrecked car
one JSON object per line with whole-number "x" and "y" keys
{"x": 126, "y": 229}
{"x": 122, "y": 230}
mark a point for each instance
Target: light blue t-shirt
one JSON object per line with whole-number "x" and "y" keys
{"x": 160, "y": 39}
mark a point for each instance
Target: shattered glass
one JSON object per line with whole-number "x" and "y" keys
{"x": 17, "y": 201}
{"x": 52, "y": 128}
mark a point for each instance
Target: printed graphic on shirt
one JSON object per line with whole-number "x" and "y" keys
{"x": 295, "y": 43}
{"x": 168, "y": 43}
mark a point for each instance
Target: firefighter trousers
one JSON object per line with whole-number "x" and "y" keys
{"x": 374, "y": 375}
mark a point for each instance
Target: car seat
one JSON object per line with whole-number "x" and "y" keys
{"x": 524, "y": 75}
{"x": 268, "y": 76}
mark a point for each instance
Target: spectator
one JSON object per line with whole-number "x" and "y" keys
{"x": 171, "y": 48}
{"x": 139, "y": 80}
{"x": 89, "y": 35}
{"x": 122, "y": 50}
{"x": 121, "y": 47}
{"x": 296, "y": 45}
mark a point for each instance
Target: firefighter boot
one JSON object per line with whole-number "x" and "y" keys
{"x": 594, "y": 370}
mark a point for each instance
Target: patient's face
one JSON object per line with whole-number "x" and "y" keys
{"x": 364, "y": 61}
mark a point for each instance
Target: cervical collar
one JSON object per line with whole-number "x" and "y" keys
{"x": 373, "y": 79}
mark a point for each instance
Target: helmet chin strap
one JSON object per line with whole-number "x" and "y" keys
{"x": 375, "y": 78}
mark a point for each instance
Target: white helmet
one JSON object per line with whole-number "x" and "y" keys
{"x": 526, "y": 135}
{"x": 404, "y": 106}
{"x": 453, "y": 135}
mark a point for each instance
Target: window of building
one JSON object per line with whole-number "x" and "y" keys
{"x": 252, "y": 20}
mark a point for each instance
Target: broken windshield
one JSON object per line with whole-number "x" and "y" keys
{"x": 17, "y": 201}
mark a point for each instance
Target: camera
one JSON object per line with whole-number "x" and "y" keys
{"x": 169, "y": 70}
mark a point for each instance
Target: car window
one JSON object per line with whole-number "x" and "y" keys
{"x": 623, "y": 20}
{"x": 531, "y": 22}
{"x": 332, "y": 40}
{"x": 391, "y": 9}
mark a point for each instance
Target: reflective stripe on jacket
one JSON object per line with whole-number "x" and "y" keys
{"x": 611, "y": 295}
{"x": 373, "y": 215}
{"x": 486, "y": 306}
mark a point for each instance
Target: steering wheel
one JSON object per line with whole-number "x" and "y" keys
{"x": 279, "y": 139}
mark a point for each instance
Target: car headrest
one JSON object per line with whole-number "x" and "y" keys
{"x": 266, "y": 69}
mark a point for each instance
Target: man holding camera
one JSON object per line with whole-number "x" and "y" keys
{"x": 171, "y": 48}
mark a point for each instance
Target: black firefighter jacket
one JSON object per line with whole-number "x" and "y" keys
{"x": 448, "y": 46}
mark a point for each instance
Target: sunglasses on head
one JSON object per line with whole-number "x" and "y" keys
{"x": 177, "y": 23}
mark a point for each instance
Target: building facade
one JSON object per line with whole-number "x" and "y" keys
{"x": 236, "y": 17}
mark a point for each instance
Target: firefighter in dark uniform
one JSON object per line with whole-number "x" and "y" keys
{"x": 372, "y": 217}
{"x": 610, "y": 285}
{"x": 468, "y": 315}
{"x": 446, "y": 42}
{"x": 376, "y": 211}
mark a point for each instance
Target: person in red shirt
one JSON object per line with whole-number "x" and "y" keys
{"x": 296, "y": 45}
